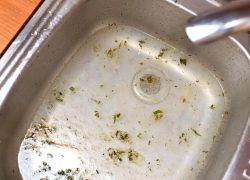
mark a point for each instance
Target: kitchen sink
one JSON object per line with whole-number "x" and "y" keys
{"x": 94, "y": 89}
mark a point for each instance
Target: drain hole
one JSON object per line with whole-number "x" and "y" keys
{"x": 150, "y": 84}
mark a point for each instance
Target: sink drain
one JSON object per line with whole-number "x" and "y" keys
{"x": 150, "y": 85}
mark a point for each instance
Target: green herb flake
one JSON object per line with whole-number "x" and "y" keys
{"x": 70, "y": 178}
{"x": 116, "y": 117}
{"x": 116, "y": 154}
{"x": 133, "y": 155}
{"x": 158, "y": 114}
{"x": 122, "y": 136}
{"x": 96, "y": 101}
{"x": 150, "y": 79}
{"x": 122, "y": 43}
{"x": 101, "y": 85}
{"x": 139, "y": 135}
{"x": 195, "y": 132}
{"x": 45, "y": 167}
{"x": 68, "y": 170}
{"x": 58, "y": 95}
{"x": 72, "y": 89}
{"x": 50, "y": 105}
{"x": 51, "y": 129}
{"x": 184, "y": 100}
{"x": 61, "y": 172}
{"x": 182, "y": 138}
{"x": 161, "y": 53}
{"x": 212, "y": 106}
{"x": 205, "y": 151}
{"x": 97, "y": 114}
{"x": 110, "y": 52}
{"x": 183, "y": 61}
{"x": 142, "y": 80}
{"x": 141, "y": 42}
{"x": 40, "y": 130}
{"x": 149, "y": 142}
{"x": 157, "y": 161}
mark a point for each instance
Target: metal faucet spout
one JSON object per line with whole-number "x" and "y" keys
{"x": 221, "y": 22}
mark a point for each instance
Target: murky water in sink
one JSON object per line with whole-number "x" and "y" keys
{"x": 127, "y": 106}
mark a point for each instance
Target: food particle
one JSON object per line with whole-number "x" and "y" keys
{"x": 139, "y": 135}
{"x": 97, "y": 114}
{"x": 122, "y": 136}
{"x": 183, "y": 61}
{"x": 158, "y": 114}
{"x": 133, "y": 155}
{"x": 116, "y": 117}
{"x": 161, "y": 53}
{"x": 141, "y": 42}
{"x": 183, "y": 138}
{"x": 195, "y": 132}
{"x": 58, "y": 95}
{"x": 116, "y": 154}
{"x": 110, "y": 52}
{"x": 96, "y": 101}
{"x": 212, "y": 106}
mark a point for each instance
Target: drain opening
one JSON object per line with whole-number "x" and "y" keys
{"x": 150, "y": 85}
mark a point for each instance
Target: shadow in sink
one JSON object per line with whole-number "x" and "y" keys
{"x": 118, "y": 91}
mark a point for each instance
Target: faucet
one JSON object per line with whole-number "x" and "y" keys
{"x": 220, "y": 22}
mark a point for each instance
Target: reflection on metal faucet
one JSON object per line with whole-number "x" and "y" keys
{"x": 221, "y": 22}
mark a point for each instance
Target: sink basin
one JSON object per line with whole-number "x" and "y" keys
{"x": 114, "y": 90}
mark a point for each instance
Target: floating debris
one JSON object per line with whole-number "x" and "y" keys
{"x": 184, "y": 100}
{"x": 97, "y": 114}
{"x": 212, "y": 106}
{"x": 40, "y": 131}
{"x": 122, "y": 43}
{"x": 122, "y": 136}
{"x": 158, "y": 114}
{"x": 96, "y": 101}
{"x": 58, "y": 95}
{"x": 183, "y": 138}
{"x": 195, "y": 132}
{"x": 141, "y": 42}
{"x": 133, "y": 156}
{"x": 116, "y": 154}
{"x": 183, "y": 61}
{"x": 110, "y": 52}
{"x": 116, "y": 117}
{"x": 72, "y": 89}
{"x": 139, "y": 135}
{"x": 161, "y": 53}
